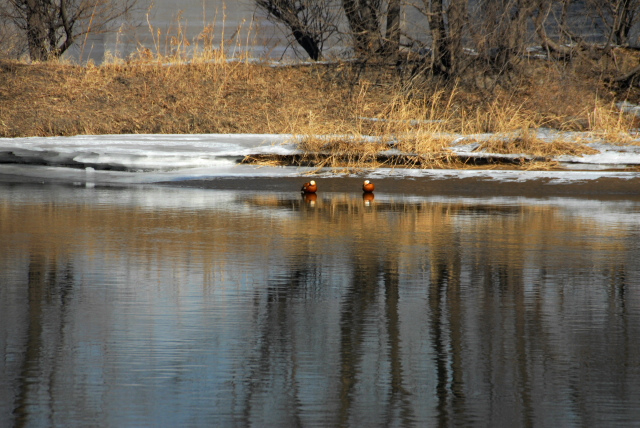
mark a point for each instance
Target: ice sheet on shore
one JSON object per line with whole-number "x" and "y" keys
{"x": 146, "y": 158}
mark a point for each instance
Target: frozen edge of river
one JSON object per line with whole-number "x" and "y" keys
{"x": 147, "y": 158}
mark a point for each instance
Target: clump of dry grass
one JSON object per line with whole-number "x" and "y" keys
{"x": 352, "y": 151}
{"x": 610, "y": 123}
{"x": 421, "y": 130}
{"x": 344, "y": 152}
{"x": 527, "y": 143}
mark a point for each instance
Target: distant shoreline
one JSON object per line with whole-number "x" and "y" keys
{"x": 607, "y": 188}
{"x": 613, "y": 187}
{"x": 343, "y": 116}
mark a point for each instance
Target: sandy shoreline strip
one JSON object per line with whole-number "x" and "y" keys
{"x": 613, "y": 187}
{"x": 604, "y": 187}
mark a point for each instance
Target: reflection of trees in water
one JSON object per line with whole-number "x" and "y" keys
{"x": 49, "y": 290}
{"x": 498, "y": 302}
{"x": 372, "y": 272}
{"x": 513, "y": 328}
{"x": 444, "y": 301}
{"x": 399, "y": 397}
{"x": 358, "y": 299}
{"x": 275, "y": 346}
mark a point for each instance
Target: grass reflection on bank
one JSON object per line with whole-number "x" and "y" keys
{"x": 337, "y": 309}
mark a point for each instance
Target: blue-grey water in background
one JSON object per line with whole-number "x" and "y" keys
{"x": 157, "y": 306}
{"x": 239, "y": 26}
{"x": 157, "y": 25}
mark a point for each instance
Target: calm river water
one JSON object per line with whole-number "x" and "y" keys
{"x": 161, "y": 306}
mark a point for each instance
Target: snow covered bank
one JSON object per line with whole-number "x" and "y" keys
{"x": 162, "y": 157}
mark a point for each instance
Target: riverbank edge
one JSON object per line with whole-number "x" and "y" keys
{"x": 476, "y": 186}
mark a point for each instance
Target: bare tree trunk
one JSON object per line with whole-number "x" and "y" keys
{"x": 392, "y": 37}
{"x": 67, "y": 26}
{"x": 626, "y": 16}
{"x": 307, "y": 42}
{"x": 36, "y": 30}
{"x": 362, "y": 16}
{"x": 619, "y": 15}
{"x": 446, "y": 43}
{"x": 311, "y": 22}
{"x": 457, "y": 15}
{"x": 440, "y": 54}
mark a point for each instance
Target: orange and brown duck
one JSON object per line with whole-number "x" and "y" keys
{"x": 309, "y": 187}
{"x": 368, "y": 186}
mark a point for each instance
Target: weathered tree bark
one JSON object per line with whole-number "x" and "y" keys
{"x": 362, "y": 16}
{"x": 440, "y": 54}
{"x": 392, "y": 35}
{"x": 625, "y": 16}
{"x": 458, "y": 21}
{"x": 628, "y": 79}
{"x": 491, "y": 38}
{"x": 67, "y": 25}
{"x": 446, "y": 43}
{"x": 36, "y": 30}
{"x": 307, "y": 42}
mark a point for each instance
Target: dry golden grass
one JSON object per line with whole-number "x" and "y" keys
{"x": 528, "y": 143}
{"x": 342, "y": 117}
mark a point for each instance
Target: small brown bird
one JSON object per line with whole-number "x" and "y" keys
{"x": 368, "y": 186}
{"x": 309, "y": 187}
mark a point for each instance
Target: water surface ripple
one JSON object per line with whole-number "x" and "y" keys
{"x": 158, "y": 306}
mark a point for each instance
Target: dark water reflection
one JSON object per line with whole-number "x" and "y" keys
{"x": 186, "y": 307}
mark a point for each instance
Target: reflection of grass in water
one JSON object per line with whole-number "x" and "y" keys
{"x": 390, "y": 226}
{"x": 437, "y": 225}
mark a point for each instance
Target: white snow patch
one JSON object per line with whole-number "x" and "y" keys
{"x": 147, "y": 158}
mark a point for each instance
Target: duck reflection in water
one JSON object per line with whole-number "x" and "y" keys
{"x": 310, "y": 199}
{"x": 368, "y": 197}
